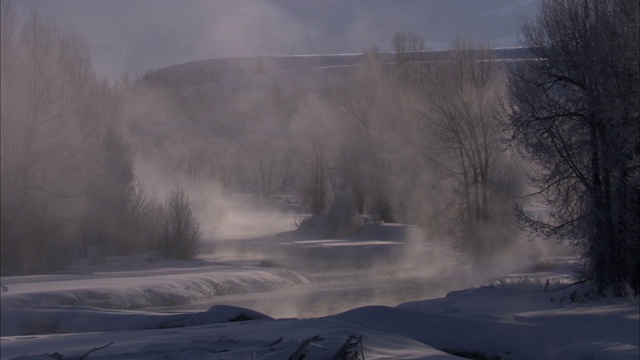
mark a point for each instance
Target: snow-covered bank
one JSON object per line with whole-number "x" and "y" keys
{"x": 237, "y": 340}
{"x": 119, "y": 286}
{"x": 507, "y": 323}
{"x": 516, "y": 316}
{"x": 70, "y": 319}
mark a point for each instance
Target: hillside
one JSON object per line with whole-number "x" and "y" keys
{"x": 196, "y": 73}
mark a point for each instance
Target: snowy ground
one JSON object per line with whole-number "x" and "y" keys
{"x": 132, "y": 284}
{"x": 528, "y": 314}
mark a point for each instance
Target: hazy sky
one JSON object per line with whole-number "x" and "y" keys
{"x": 138, "y": 35}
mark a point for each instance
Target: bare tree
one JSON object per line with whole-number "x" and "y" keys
{"x": 313, "y": 128}
{"x": 58, "y": 155}
{"x": 364, "y": 163}
{"x": 46, "y": 89}
{"x": 265, "y": 151}
{"x": 114, "y": 201}
{"x": 407, "y": 46}
{"x": 181, "y": 233}
{"x": 574, "y": 111}
{"x": 462, "y": 93}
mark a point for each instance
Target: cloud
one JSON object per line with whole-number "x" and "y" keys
{"x": 257, "y": 29}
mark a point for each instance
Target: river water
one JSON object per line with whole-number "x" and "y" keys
{"x": 342, "y": 274}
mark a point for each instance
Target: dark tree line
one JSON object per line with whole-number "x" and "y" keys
{"x": 574, "y": 112}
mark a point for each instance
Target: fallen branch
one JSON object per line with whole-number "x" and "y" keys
{"x": 58, "y": 356}
{"x": 95, "y": 349}
{"x": 347, "y": 351}
{"x": 274, "y": 343}
{"x": 299, "y": 353}
{"x": 573, "y": 284}
{"x": 161, "y": 352}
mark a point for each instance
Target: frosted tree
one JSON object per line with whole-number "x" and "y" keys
{"x": 574, "y": 112}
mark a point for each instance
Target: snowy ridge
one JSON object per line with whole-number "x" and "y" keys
{"x": 143, "y": 288}
{"x": 71, "y": 319}
{"x": 196, "y": 73}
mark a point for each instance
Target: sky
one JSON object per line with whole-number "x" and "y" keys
{"x": 136, "y": 36}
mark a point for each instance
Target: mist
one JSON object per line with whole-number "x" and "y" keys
{"x": 289, "y": 179}
{"x": 331, "y": 165}
{"x": 340, "y": 168}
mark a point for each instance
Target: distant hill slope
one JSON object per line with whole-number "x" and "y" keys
{"x": 196, "y": 73}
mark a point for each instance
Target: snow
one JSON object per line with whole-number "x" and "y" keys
{"x": 531, "y": 313}
{"x": 342, "y": 243}
{"x": 151, "y": 284}
{"x": 30, "y": 321}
